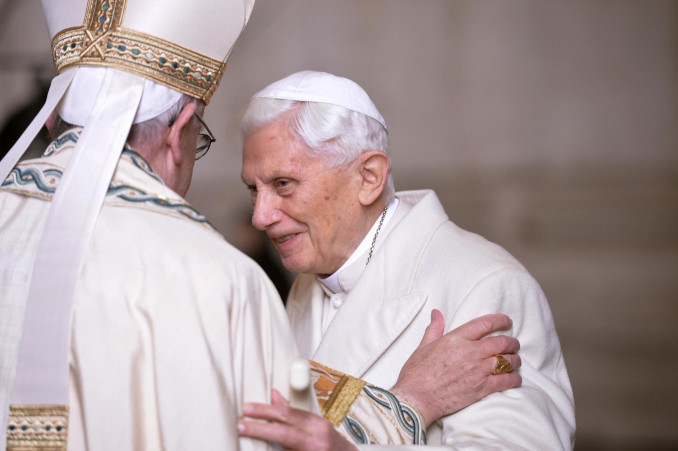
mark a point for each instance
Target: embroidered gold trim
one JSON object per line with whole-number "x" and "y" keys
{"x": 342, "y": 399}
{"x": 101, "y": 41}
{"x": 335, "y": 391}
{"x": 37, "y": 427}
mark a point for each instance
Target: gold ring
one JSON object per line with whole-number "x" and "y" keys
{"x": 502, "y": 366}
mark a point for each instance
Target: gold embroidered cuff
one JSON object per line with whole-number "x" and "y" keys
{"x": 335, "y": 391}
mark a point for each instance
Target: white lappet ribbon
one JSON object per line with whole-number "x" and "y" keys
{"x": 42, "y": 373}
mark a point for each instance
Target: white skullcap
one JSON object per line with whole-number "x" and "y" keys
{"x": 312, "y": 86}
{"x": 78, "y": 102}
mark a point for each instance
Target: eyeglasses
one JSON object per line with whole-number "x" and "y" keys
{"x": 205, "y": 140}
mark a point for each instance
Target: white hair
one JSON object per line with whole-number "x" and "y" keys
{"x": 145, "y": 132}
{"x": 334, "y": 133}
{"x": 150, "y": 131}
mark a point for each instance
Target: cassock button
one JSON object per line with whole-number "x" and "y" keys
{"x": 337, "y": 303}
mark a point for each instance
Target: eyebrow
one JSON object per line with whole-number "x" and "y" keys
{"x": 269, "y": 178}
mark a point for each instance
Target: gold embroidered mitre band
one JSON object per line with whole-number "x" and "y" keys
{"x": 102, "y": 41}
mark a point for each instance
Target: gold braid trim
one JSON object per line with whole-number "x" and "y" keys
{"x": 37, "y": 427}
{"x": 101, "y": 41}
{"x": 335, "y": 391}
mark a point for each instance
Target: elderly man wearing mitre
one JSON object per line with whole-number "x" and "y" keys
{"x": 126, "y": 321}
{"x": 374, "y": 262}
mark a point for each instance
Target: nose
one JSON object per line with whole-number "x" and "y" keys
{"x": 266, "y": 211}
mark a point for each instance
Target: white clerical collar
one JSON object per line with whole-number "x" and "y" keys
{"x": 331, "y": 282}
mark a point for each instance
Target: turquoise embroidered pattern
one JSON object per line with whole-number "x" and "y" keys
{"x": 358, "y": 433}
{"x": 57, "y": 144}
{"x": 142, "y": 164}
{"x": 45, "y": 179}
{"x": 135, "y": 195}
{"x": 407, "y": 419}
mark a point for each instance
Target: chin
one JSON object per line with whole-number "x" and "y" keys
{"x": 296, "y": 267}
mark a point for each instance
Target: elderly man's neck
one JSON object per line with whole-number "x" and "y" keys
{"x": 372, "y": 214}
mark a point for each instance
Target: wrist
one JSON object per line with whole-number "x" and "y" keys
{"x": 417, "y": 404}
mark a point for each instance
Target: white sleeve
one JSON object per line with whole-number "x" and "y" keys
{"x": 540, "y": 413}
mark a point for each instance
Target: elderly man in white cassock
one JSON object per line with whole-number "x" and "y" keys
{"x": 126, "y": 321}
{"x": 374, "y": 263}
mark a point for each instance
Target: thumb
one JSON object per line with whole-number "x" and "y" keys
{"x": 435, "y": 329}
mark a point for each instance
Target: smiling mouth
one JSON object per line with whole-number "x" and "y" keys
{"x": 282, "y": 239}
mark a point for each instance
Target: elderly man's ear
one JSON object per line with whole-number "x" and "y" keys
{"x": 173, "y": 140}
{"x": 374, "y": 166}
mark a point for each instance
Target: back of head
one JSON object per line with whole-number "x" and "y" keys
{"x": 332, "y": 115}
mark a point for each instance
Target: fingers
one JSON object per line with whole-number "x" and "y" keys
{"x": 272, "y": 432}
{"x": 513, "y": 359}
{"x": 278, "y": 411}
{"x": 285, "y": 423}
{"x": 499, "y": 344}
{"x": 503, "y": 382}
{"x": 482, "y": 326}
{"x": 277, "y": 399}
{"x": 502, "y": 345}
{"x": 292, "y": 428}
{"x": 435, "y": 328}
{"x": 275, "y": 412}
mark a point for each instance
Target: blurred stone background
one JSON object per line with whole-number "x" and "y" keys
{"x": 550, "y": 127}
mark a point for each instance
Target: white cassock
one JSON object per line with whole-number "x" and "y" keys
{"x": 423, "y": 261}
{"x": 172, "y": 327}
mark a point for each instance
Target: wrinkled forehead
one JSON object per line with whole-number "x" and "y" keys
{"x": 279, "y": 136}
